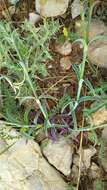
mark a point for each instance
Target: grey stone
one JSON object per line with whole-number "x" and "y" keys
{"x": 97, "y": 53}
{"x": 51, "y": 8}
{"x": 22, "y": 166}
{"x": 99, "y": 117}
{"x": 65, "y": 63}
{"x": 76, "y": 8}
{"x": 96, "y": 28}
{"x": 59, "y": 153}
{"x": 63, "y": 48}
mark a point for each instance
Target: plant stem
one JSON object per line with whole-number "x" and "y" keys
{"x": 82, "y": 69}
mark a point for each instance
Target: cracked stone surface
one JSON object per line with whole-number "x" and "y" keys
{"x": 59, "y": 153}
{"x": 85, "y": 159}
{"x": 22, "y": 166}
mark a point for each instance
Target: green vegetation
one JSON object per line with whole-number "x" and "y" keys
{"x": 24, "y": 52}
{"x": 22, "y": 55}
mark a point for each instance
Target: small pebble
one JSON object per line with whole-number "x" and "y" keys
{"x": 50, "y": 66}
{"x": 64, "y": 49}
{"x": 65, "y": 63}
{"x": 34, "y": 18}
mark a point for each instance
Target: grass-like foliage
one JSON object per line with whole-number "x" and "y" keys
{"x": 23, "y": 52}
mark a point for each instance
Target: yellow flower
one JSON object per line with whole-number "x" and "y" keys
{"x": 39, "y": 126}
{"x": 65, "y": 32}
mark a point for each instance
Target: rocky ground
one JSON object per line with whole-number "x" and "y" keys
{"x": 49, "y": 165}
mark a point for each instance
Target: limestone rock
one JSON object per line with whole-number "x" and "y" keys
{"x": 74, "y": 174}
{"x": 94, "y": 171}
{"x": 65, "y": 63}
{"x": 34, "y": 18}
{"x": 96, "y": 28}
{"x": 87, "y": 155}
{"x": 99, "y": 117}
{"x": 86, "y": 158}
{"x": 51, "y": 8}
{"x": 11, "y": 10}
{"x": 22, "y": 166}
{"x": 76, "y": 8}
{"x": 63, "y": 49}
{"x": 104, "y": 134}
{"x": 97, "y": 49}
{"x": 97, "y": 53}
{"x": 59, "y": 154}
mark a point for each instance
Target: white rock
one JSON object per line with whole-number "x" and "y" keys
{"x": 65, "y": 63}
{"x": 96, "y": 28}
{"x": 51, "y": 8}
{"x": 97, "y": 53}
{"x": 64, "y": 49}
{"x": 94, "y": 171}
{"x": 23, "y": 167}
{"x": 99, "y": 117}
{"x": 74, "y": 174}
{"x": 76, "y": 159}
{"x": 11, "y": 10}
{"x": 34, "y": 18}
{"x": 104, "y": 134}
{"x": 59, "y": 154}
{"x": 86, "y": 155}
{"x": 75, "y": 8}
